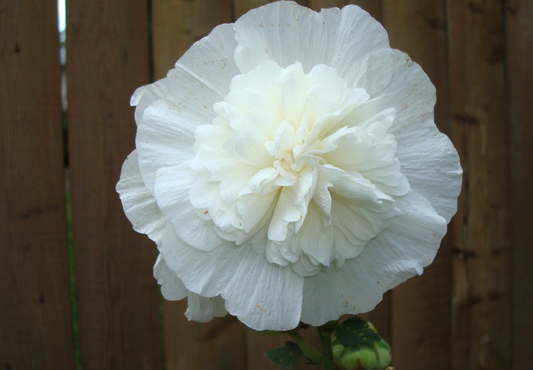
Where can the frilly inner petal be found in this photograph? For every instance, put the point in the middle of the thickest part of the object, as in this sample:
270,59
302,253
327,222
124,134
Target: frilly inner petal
301,159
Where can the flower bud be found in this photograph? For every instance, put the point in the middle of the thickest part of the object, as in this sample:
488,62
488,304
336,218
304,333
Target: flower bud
376,356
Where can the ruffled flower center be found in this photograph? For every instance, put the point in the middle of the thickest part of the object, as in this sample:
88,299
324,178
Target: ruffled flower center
300,160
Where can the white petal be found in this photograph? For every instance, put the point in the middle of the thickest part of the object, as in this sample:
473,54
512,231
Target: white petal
288,209
360,222
224,215
234,182
172,287
201,191
397,254
211,58
322,198
262,295
428,158
163,140
360,38
249,148
202,78
254,207
203,74
144,96
304,266
374,72
292,102
139,204
288,33
172,190
203,309
258,34
315,239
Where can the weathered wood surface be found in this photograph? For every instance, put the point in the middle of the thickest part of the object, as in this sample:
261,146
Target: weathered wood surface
35,321
519,86
108,58
481,321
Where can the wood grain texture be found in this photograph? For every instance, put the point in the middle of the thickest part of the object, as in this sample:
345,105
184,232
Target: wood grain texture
519,73
171,33
108,58
481,321
421,306
35,317
218,345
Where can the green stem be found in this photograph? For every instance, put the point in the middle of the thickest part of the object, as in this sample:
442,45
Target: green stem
308,351
327,352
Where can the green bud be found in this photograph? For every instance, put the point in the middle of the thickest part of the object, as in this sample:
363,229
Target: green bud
337,349
374,357
384,354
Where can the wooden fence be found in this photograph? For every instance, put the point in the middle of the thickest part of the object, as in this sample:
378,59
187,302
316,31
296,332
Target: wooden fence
472,309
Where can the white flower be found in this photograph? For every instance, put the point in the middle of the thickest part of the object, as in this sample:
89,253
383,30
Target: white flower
289,169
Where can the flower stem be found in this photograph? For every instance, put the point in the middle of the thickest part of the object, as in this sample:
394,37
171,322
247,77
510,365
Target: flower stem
308,351
327,352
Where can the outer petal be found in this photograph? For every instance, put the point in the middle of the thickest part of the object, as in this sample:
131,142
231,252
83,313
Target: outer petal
203,309
172,191
202,78
172,287
205,71
207,64
428,158
200,309
397,254
288,33
262,295
139,204
163,140
144,96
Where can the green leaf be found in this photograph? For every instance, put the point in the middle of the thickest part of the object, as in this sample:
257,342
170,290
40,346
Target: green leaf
355,332
286,356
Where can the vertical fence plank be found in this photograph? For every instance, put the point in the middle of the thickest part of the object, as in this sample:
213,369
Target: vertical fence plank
519,73
189,345
481,322
107,44
35,317
217,345
421,306
172,30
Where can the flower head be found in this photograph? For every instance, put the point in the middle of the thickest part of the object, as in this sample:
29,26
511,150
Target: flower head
289,169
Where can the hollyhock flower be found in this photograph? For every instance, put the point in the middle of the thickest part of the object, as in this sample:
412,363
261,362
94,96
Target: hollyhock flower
289,169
